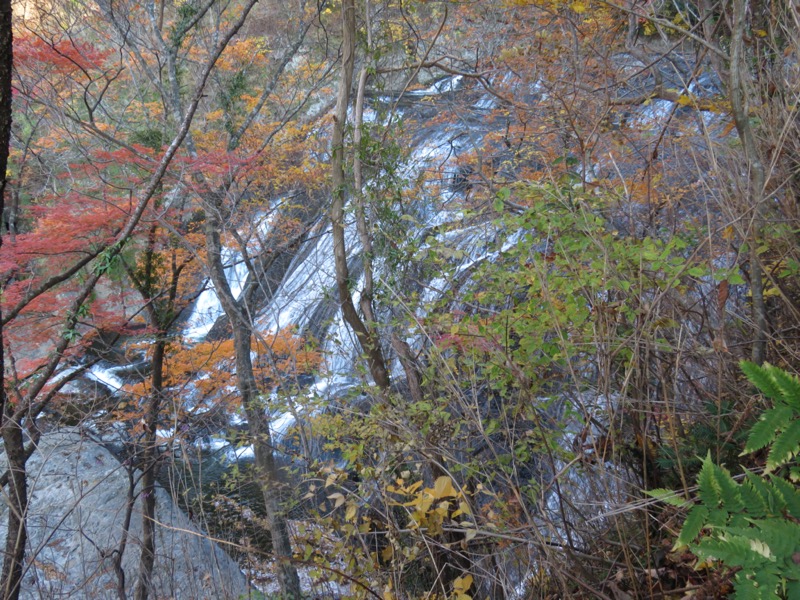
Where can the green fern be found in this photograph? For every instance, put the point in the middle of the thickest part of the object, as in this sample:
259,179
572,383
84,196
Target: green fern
753,525
779,426
763,432
785,446
761,378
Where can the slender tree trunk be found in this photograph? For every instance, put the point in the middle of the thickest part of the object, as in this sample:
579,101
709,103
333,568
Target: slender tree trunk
148,556
367,338
119,555
257,420
757,176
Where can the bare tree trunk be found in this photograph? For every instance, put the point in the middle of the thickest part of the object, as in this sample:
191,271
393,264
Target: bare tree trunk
6,52
162,312
367,337
257,420
11,429
149,456
757,177
16,537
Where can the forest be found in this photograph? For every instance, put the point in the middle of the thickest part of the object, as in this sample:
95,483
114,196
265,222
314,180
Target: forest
400,299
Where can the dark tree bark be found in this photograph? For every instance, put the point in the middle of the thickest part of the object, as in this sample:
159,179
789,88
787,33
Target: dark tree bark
13,440
6,65
11,429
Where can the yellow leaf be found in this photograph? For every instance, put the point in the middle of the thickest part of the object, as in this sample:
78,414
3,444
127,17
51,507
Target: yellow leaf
339,498
760,32
414,487
578,7
443,488
350,513
462,584
684,100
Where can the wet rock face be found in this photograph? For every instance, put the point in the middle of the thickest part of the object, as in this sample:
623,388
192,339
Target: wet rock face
78,497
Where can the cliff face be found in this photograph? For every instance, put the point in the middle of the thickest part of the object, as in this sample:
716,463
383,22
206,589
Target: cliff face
78,502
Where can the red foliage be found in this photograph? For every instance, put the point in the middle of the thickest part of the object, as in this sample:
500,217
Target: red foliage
65,55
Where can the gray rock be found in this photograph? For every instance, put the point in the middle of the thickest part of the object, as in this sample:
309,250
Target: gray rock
78,492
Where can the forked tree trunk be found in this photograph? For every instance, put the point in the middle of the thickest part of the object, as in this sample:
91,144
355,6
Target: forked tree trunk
257,420
365,332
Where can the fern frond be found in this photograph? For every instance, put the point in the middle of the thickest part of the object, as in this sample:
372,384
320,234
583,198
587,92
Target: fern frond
765,490
718,517
763,432
733,550
793,589
761,378
785,446
694,523
755,503
782,536
768,582
789,387
747,590
670,497
729,490
708,492
790,495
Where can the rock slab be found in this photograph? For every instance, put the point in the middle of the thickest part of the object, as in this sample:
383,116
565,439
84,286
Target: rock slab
78,496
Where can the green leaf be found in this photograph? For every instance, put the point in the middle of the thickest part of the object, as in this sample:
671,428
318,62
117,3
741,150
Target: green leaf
767,582
668,496
760,377
733,550
782,536
760,487
785,446
756,504
789,387
708,492
729,490
763,432
789,494
793,589
746,589
694,523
